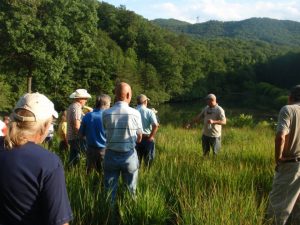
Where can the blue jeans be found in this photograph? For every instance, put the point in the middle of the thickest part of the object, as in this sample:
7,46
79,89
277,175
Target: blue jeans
124,163
146,151
76,147
211,142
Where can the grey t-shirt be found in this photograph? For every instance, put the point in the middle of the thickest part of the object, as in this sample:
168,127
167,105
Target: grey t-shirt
213,113
289,124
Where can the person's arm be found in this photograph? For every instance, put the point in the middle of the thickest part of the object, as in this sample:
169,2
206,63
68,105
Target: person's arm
153,132
221,119
139,137
77,125
64,132
279,146
220,122
196,119
54,197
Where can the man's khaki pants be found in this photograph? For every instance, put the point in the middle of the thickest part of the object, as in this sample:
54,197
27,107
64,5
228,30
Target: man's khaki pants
284,204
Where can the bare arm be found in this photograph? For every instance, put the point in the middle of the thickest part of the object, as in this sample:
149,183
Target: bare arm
77,125
196,119
139,137
279,146
220,122
66,224
153,132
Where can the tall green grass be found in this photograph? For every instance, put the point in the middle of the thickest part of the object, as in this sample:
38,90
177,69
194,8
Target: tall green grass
182,187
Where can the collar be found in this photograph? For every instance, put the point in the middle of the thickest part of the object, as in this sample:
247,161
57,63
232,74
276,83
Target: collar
122,103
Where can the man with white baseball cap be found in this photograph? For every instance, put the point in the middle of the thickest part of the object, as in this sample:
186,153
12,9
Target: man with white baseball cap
74,117
32,182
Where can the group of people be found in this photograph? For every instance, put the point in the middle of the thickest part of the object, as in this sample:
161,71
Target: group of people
32,181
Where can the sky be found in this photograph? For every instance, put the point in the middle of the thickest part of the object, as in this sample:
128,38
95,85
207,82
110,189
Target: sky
197,11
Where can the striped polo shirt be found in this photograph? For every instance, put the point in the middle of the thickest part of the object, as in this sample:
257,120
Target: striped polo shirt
122,124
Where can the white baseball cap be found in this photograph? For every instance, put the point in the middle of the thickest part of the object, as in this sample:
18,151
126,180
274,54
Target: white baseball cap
41,107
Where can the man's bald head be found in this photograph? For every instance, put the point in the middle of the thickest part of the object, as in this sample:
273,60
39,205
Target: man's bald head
123,92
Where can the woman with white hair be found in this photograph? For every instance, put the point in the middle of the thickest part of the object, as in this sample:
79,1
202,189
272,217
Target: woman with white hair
32,182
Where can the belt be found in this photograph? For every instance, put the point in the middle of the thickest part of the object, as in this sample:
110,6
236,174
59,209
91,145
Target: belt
120,152
291,160
146,135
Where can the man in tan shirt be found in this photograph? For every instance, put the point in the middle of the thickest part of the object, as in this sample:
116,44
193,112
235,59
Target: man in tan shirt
213,117
284,204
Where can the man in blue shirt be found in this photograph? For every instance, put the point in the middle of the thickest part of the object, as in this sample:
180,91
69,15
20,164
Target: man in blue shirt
146,149
92,129
123,127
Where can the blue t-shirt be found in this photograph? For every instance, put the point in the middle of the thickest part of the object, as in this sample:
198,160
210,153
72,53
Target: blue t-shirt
32,187
92,128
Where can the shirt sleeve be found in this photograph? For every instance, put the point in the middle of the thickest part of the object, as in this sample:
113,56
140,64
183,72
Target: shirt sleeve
55,198
139,124
283,121
222,114
76,114
153,118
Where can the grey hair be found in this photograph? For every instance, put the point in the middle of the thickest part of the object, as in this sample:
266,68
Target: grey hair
102,100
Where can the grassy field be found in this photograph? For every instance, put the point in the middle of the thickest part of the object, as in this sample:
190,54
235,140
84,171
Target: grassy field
182,187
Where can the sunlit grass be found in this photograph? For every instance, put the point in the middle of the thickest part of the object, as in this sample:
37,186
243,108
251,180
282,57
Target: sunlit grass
182,187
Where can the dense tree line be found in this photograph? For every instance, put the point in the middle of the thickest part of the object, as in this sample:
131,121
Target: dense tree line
281,32
60,45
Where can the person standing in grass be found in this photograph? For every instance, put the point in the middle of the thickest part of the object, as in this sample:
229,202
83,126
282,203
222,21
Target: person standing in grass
146,148
92,129
62,133
213,117
32,181
74,116
284,199
123,128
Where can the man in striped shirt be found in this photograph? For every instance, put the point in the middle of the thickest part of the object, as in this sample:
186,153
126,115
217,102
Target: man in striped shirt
123,127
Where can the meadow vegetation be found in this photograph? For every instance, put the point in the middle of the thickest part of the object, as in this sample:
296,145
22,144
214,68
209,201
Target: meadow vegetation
182,187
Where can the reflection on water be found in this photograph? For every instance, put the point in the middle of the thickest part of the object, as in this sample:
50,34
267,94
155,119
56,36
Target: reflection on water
179,114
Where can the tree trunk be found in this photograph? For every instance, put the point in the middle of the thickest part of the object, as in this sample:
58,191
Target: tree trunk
29,84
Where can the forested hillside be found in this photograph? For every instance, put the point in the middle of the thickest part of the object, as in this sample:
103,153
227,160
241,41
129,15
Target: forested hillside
61,45
281,32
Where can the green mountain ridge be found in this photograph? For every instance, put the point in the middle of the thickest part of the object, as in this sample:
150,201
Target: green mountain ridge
280,32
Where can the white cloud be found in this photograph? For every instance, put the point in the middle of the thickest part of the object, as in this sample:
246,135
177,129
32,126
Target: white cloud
224,10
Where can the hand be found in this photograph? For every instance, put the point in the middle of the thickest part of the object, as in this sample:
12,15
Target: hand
187,126
151,139
210,121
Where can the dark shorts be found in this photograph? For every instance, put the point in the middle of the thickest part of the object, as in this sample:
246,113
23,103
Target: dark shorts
211,142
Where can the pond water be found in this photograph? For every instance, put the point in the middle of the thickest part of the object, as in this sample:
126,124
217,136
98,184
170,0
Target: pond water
178,114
